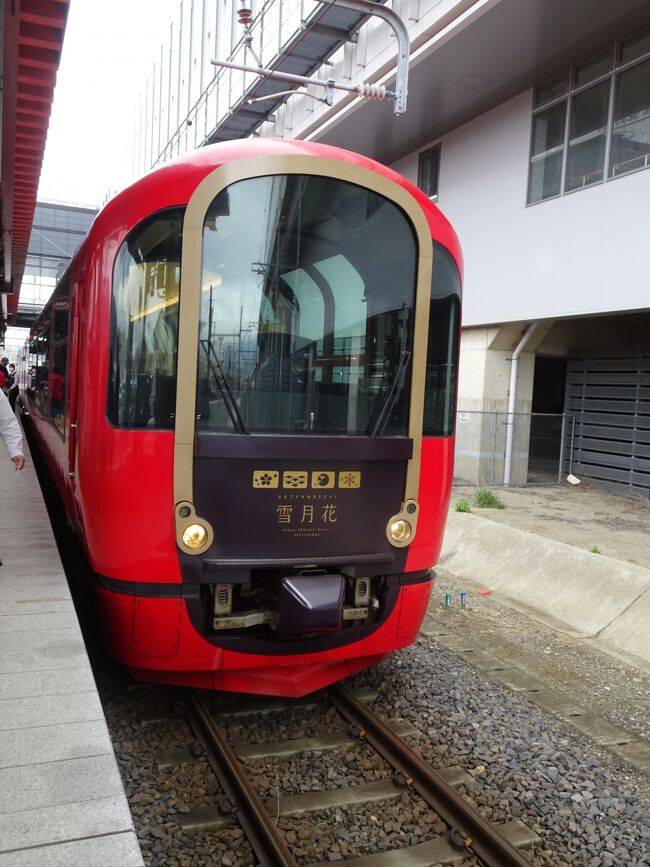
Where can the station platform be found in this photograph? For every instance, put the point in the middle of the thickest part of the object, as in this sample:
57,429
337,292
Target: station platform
61,796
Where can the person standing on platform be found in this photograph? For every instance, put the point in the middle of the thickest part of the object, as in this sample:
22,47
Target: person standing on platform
13,386
11,433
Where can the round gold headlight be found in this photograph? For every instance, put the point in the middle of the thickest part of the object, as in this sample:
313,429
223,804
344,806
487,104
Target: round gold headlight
401,531
195,536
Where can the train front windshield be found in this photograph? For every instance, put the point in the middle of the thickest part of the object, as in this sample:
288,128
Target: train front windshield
307,310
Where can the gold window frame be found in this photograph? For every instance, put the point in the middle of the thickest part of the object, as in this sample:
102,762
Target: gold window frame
189,309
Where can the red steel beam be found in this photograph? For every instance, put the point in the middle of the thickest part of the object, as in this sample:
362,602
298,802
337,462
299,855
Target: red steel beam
33,32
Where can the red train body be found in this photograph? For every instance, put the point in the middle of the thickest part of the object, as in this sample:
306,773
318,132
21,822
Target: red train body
258,344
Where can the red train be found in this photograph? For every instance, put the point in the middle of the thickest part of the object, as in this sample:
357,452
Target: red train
244,386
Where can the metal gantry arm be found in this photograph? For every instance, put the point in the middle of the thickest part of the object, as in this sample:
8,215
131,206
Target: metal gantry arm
365,90
370,7
327,99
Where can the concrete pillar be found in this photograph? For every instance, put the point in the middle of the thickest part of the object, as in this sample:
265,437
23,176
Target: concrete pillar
484,380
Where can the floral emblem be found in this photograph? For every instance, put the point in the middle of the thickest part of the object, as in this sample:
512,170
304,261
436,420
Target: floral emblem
266,479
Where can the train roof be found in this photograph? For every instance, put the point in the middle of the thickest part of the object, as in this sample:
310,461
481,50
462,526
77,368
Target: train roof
173,184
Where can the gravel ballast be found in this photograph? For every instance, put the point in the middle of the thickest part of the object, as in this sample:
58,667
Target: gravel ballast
616,689
522,761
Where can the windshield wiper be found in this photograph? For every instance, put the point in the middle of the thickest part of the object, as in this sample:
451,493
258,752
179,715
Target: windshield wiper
394,392
222,383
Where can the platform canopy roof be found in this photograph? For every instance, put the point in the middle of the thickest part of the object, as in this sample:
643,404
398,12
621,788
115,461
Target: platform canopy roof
32,39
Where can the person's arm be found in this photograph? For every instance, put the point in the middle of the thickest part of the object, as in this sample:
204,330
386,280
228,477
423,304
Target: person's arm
11,433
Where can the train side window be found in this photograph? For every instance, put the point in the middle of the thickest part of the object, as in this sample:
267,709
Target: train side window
58,369
144,324
442,352
42,352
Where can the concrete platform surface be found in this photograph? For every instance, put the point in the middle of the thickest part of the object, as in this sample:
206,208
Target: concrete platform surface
61,796
588,594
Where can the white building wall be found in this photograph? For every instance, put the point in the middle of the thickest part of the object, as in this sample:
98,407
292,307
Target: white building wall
586,252
204,29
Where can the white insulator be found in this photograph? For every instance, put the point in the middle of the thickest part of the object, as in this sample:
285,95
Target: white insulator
371,91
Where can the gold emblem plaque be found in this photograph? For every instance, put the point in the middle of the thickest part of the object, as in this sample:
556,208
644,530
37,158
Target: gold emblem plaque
323,479
295,479
349,479
266,479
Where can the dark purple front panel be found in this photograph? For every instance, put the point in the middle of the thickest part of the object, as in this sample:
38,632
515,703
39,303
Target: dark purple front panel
318,510
281,509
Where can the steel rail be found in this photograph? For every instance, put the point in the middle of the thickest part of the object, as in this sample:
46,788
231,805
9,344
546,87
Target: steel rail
479,836
267,843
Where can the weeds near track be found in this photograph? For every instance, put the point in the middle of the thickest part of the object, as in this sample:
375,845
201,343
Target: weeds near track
485,498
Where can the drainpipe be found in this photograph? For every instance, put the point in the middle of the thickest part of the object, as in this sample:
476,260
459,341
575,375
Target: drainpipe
511,400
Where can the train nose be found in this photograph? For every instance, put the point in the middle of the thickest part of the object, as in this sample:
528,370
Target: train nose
310,604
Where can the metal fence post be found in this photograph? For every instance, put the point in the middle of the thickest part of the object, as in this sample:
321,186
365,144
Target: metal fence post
494,448
573,436
559,467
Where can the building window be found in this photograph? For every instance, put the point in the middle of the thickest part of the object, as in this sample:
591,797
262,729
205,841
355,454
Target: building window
587,137
545,178
631,122
592,124
429,171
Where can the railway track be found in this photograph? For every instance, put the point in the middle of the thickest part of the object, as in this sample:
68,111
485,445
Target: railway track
468,835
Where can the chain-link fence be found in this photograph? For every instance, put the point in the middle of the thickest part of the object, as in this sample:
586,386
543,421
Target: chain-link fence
540,452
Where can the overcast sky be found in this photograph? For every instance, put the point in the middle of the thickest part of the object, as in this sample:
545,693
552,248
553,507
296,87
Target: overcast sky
108,51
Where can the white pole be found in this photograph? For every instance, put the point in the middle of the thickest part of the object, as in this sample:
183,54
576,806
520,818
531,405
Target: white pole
511,400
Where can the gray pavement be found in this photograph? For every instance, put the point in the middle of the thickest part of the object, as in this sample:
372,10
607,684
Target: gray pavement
582,516
61,796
